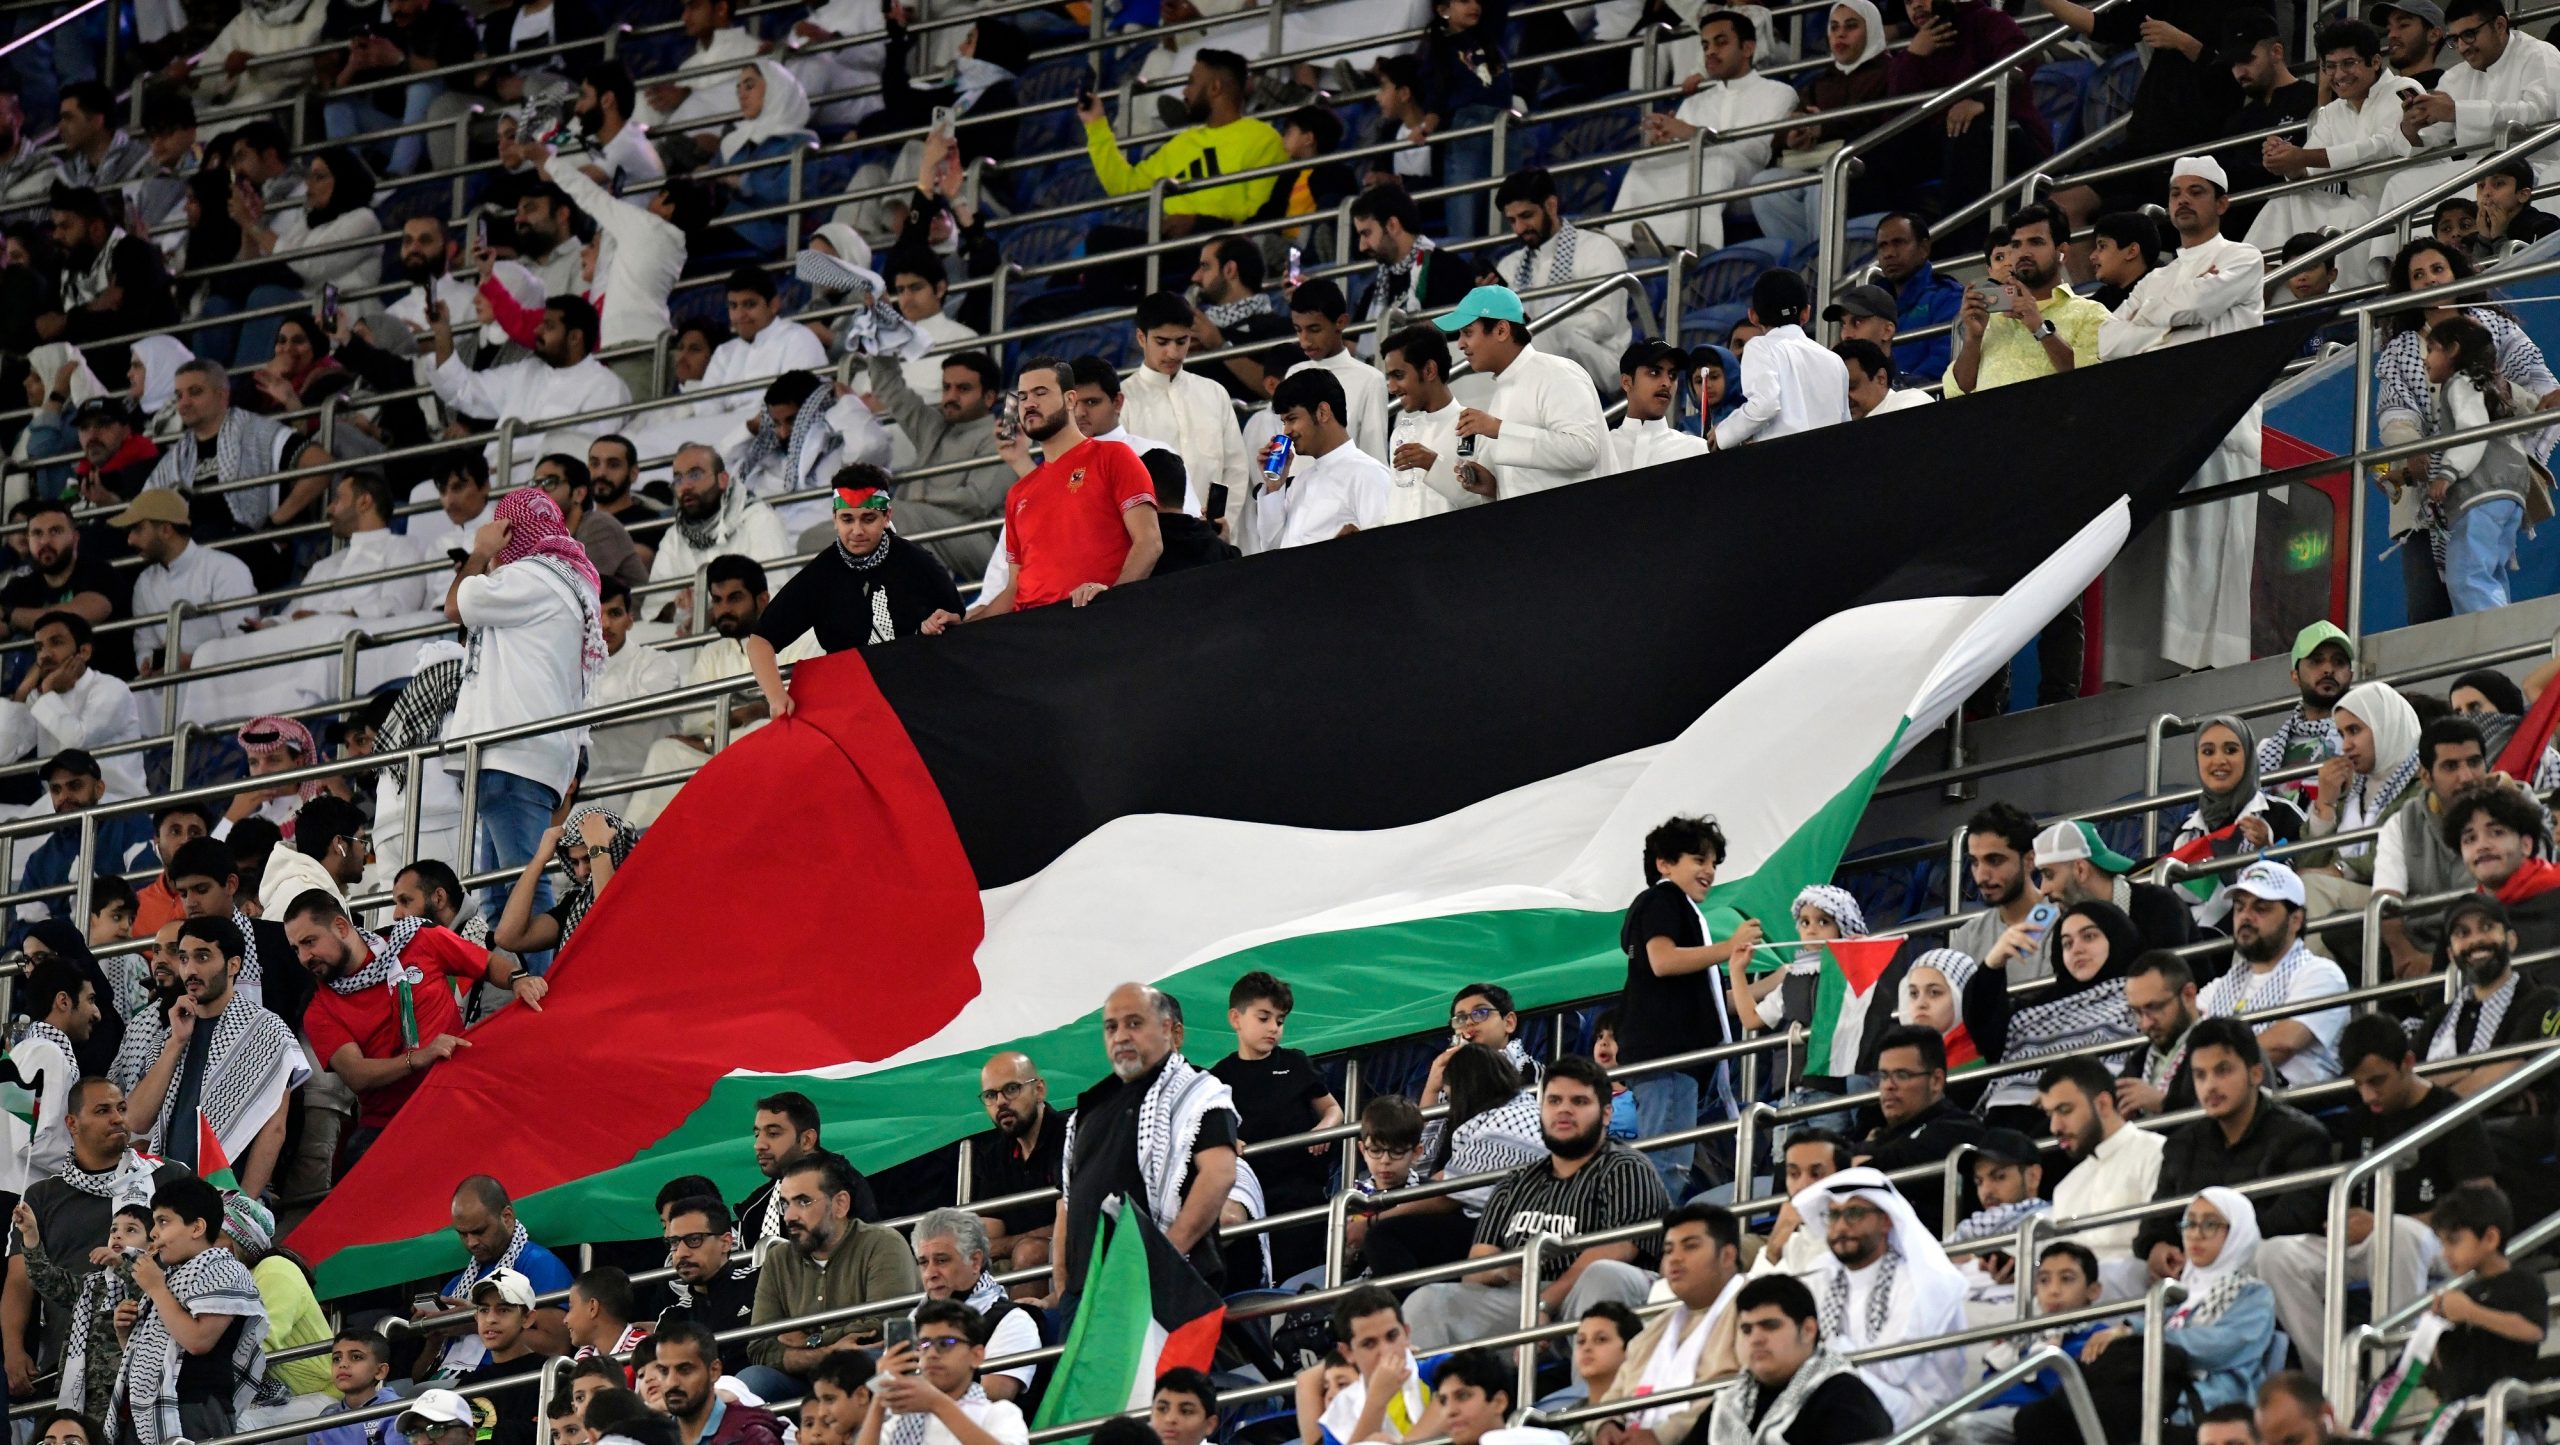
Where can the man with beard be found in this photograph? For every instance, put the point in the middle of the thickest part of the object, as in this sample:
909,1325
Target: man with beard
2187,601
2266,934
112,284
379,1028
2412,859
786,1135
2504,837
1887,1280
1106,1156
1222,141
1587,1183
1555,252
1649,372
73,1206
220,1059
60,579
614,152
1023,1152
426,263
2113,1164
2079,867
115,460
547,236
561,379
219,443
613,469
2041,327
1235,312
714,518
2495,1008
960,429
714,1282
2377,1054
207,884
2245,1136
688,1360
1076,525
566,481
1412,277
885,589
2161,991
25,168
2412,39
2324,666
834,1259
360,511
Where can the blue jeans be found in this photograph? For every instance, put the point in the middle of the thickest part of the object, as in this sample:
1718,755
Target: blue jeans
347,117
1466,160
771,1383
1665,1102
1792,216
514,812
2476,553
249,343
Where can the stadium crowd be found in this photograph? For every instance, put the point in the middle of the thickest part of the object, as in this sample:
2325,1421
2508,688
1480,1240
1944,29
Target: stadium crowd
277,395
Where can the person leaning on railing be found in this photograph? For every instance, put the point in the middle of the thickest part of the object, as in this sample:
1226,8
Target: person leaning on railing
1222,141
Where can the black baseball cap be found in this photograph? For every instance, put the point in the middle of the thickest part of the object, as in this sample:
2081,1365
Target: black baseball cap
2242,29
2006,1146
102,409
1653,353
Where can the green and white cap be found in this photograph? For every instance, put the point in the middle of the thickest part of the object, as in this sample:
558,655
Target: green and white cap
2309,640
2069,842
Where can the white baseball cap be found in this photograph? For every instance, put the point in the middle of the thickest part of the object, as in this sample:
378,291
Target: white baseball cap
2271,881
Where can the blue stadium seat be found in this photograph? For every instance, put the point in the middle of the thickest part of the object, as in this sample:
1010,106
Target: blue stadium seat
2110,92
1584,191
2058,88
1042,242
1726,275
1052,80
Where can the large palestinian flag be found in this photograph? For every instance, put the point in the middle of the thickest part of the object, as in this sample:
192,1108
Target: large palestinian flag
1379,767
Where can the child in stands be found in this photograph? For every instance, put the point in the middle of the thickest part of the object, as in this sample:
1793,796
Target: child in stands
1279,1092
2500,1318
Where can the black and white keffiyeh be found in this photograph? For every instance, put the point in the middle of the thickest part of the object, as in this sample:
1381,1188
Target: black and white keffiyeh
251,975
2452,1040
2322,732
706,533
2244,991
245,447
1560,249
79,288
1843,910
1169,1120
910,1429
583,897
1399,280
1835,1299
518,1242
40,1032
250,1064
986,1294
1223,314
1729,1419
419,713
386,948
101,1290
1997,1219
211,1283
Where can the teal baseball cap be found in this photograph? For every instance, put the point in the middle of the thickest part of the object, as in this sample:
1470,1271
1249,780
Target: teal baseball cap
1485,303
2309,640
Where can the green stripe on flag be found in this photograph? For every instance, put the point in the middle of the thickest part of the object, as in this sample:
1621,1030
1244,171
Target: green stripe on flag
1354,987
1108,1338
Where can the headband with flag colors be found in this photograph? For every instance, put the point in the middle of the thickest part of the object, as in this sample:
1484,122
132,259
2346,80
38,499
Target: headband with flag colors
852,499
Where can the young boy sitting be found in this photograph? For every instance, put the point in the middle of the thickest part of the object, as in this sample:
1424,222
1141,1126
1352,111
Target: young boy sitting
1185,1408
2066,1279
1390,1145
360,1371
2499,1319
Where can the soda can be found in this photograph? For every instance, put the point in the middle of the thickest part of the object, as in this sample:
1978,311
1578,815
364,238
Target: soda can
1466,446
1276,465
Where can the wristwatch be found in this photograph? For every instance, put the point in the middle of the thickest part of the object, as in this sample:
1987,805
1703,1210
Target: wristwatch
2045,331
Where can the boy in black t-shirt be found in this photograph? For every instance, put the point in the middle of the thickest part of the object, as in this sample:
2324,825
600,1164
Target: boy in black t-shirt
502,1305
1685,965
2499,1319
1279,1092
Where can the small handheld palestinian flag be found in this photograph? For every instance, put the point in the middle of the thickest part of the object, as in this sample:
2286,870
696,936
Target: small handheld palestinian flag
1849,987
212,1165
2223,842
1145,1311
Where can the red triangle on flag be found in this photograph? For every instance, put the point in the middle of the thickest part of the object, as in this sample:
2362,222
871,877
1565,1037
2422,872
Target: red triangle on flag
2523,752
1863,960
212,1165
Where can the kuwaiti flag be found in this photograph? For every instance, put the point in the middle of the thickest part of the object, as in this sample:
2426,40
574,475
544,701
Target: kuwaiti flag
1145,1311
1380,768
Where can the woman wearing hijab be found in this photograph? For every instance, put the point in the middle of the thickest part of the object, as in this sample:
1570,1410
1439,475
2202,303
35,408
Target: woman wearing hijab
1719,385
300,373
2231,804
1855,76
592,844
774,122
2082,1004
338,208
152,375
2358,789
2227,1322
1940,991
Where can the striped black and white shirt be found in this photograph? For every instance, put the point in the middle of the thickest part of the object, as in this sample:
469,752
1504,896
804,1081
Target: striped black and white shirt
1617,1188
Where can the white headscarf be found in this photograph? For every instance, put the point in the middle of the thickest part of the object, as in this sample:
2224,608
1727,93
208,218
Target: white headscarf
849,246
1956,968
1866,11
2211,1288
786,112
161,356
2394,725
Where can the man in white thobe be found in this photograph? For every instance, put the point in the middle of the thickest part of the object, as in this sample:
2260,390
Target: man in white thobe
1425,459
1542,427
175,569
1650,373
1555,252
1320,314
1331,487
1729,97
1190,412
2359,125
359,515
2506,78
1865,1305
2211,287
667,108
561,380
1790,382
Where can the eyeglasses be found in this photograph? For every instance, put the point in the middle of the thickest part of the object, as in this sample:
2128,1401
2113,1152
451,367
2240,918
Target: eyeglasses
1463,1017
2462,38
1857,1214
694,1240
695,474
1388,1151
1903,1076
940,1344
2341,65
2193,1225
1008,1093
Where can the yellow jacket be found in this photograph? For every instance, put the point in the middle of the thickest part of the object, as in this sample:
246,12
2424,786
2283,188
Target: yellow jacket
1202,151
